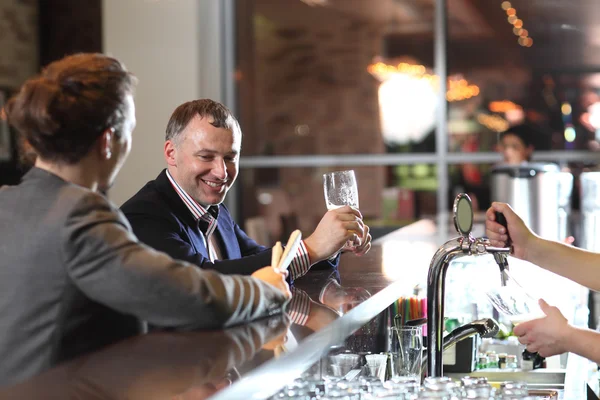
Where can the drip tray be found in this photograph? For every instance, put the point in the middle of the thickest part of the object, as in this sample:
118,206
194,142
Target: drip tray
544,394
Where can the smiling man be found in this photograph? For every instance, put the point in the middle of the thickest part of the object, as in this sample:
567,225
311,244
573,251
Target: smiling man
180,212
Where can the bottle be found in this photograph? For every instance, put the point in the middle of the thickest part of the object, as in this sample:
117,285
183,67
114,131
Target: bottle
502,360
482,361
527,361
511,361
537,361
493,360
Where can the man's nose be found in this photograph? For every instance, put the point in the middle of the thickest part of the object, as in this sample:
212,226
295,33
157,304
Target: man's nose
220,169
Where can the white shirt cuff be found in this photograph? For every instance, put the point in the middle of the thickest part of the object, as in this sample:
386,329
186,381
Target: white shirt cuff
299,307
300,263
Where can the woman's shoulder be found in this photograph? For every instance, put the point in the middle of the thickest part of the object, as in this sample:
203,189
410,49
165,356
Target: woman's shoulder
84,203
79,196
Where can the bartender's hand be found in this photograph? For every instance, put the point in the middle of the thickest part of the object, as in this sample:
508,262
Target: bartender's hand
521,236
334,230
275,277
548,335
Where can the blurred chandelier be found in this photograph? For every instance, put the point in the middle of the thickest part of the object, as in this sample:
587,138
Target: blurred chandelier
408,99
493,122
458,87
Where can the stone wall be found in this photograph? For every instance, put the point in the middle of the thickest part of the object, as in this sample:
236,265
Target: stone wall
18,41
313,95
313,92
69,26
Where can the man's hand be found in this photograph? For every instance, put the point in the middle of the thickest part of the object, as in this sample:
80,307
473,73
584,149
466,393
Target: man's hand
320,316
522,237
364,245
334,230
548,335
276,277
278,341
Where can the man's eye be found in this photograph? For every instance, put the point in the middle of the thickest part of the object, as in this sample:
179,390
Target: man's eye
230,159
206,158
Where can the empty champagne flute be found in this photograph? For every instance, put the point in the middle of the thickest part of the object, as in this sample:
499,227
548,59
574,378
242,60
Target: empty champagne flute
340,190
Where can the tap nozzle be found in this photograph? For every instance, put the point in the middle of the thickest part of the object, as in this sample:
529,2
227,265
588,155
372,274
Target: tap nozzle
501,257
502,260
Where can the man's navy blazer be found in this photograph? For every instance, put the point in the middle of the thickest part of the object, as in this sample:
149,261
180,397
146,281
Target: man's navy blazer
161,220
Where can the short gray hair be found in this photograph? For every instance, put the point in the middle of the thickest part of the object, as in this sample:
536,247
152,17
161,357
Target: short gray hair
181,117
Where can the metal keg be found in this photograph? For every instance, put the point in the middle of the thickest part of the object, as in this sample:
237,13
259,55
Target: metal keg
590,210
540,193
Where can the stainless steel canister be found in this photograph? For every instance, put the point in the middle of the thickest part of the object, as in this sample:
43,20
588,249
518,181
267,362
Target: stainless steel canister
540,193
590,210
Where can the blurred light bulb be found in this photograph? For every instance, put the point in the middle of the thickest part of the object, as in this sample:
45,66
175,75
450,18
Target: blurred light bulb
570,134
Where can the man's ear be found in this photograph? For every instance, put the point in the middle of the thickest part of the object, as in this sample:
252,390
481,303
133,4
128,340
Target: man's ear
106,143
170,152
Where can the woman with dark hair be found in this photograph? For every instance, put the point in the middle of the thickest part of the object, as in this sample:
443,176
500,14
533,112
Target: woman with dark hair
517,144
73,277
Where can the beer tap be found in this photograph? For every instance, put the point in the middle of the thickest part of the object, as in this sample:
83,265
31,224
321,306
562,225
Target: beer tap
462,246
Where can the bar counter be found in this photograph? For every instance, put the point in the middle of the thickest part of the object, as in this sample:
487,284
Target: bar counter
256,360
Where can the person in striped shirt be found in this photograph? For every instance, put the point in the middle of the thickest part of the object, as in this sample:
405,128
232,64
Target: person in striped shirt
181,211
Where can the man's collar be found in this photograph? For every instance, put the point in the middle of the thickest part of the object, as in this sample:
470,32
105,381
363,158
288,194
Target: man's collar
198,211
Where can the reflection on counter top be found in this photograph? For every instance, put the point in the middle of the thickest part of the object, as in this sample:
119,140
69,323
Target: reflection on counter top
192,365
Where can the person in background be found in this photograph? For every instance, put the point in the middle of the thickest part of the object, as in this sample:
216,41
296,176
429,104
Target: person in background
517,144
73,276
551,334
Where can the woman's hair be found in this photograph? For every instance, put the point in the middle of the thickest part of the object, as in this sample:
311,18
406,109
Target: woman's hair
64,110
525,132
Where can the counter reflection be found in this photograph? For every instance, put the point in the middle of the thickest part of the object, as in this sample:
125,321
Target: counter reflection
190,365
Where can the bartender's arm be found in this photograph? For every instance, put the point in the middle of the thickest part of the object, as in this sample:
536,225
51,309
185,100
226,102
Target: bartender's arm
107,263
552,335
576,264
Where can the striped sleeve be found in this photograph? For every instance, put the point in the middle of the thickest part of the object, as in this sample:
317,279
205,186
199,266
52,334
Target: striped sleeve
301,263
299,307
